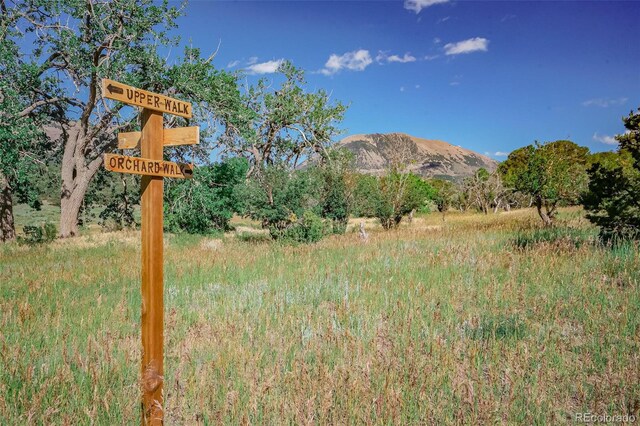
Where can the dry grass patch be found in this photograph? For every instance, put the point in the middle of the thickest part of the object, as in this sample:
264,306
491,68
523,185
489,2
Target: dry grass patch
420,325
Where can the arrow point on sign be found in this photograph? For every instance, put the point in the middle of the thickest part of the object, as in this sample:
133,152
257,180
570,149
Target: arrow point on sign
114,89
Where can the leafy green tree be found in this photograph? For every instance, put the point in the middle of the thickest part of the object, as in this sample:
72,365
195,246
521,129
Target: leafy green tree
283,126
552,173
208,201
613,198
444,194
22,139
81,42
366,195
397,195
420,194
338,181
18,168
278,198
120,204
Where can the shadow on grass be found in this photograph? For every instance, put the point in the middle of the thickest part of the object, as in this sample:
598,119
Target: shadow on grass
560,237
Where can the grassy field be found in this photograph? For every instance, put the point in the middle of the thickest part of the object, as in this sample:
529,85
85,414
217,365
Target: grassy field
480,319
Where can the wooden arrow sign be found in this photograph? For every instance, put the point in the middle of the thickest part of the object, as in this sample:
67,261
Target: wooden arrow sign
171,137
144,166
142,98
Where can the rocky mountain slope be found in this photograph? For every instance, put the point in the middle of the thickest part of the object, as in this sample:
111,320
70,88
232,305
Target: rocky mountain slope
428,158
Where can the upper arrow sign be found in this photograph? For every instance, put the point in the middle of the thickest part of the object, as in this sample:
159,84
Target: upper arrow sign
133,96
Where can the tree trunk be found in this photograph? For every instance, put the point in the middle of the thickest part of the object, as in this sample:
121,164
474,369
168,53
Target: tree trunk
70,210
543,215
76,175
7,224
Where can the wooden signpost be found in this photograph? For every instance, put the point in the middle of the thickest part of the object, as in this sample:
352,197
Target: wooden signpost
151,139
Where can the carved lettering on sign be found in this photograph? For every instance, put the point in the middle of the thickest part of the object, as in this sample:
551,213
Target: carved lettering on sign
143,166
142,98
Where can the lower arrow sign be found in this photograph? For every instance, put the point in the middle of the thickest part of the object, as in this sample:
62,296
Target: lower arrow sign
144,166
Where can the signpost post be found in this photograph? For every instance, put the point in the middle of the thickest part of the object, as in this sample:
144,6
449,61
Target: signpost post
152,139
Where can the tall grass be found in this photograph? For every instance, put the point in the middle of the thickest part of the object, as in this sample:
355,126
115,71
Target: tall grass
436,323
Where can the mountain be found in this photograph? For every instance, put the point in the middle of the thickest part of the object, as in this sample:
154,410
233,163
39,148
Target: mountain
428,158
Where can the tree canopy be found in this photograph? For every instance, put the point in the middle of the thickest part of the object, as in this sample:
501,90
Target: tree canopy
551,173
613,197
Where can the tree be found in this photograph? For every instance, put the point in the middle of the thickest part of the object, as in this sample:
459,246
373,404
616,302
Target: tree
280,198
366,195
613,198
285,126
444,193
337,177
551,173
277,131
397,195
19,137
79,43
485,190
120,206
419,195
22,139
206,202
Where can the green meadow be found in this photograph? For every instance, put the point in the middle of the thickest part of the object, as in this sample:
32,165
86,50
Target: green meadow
478,319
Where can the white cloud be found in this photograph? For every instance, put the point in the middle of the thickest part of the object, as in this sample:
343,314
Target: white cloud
609,140
402,88
402,59
431,57
252,60
604,103
233,64
417,86
497,154
268,67
384,57
476,44
357,60
418,5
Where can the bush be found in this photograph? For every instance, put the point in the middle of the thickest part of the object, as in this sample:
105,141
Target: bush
39,234
279,198
366,195
253,237
310,228
207,202
398,195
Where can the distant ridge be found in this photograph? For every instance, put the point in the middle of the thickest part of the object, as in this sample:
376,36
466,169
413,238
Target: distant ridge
426,157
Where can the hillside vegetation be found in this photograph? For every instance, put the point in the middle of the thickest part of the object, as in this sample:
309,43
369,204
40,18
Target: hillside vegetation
479,319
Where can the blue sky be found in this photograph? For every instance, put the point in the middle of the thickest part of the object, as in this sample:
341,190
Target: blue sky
489,76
